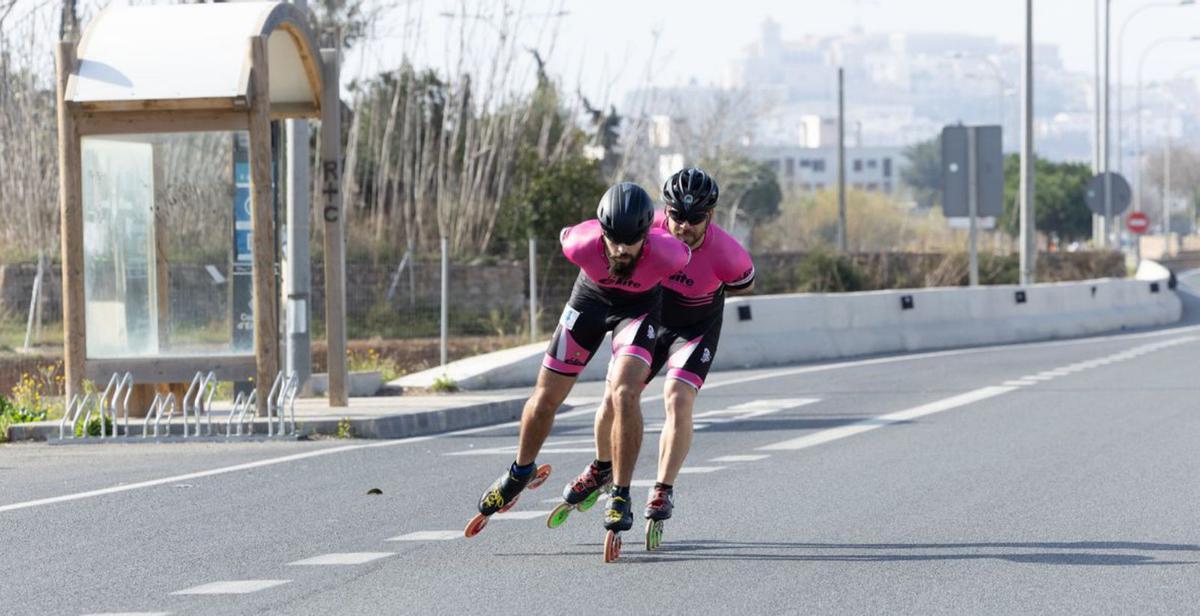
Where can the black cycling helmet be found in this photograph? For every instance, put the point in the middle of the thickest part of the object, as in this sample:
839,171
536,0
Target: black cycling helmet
625,213
691,191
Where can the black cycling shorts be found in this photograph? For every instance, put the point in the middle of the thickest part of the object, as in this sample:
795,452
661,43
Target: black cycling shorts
584,323
687,352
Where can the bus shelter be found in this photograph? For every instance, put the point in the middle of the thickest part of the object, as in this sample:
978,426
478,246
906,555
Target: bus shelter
165,150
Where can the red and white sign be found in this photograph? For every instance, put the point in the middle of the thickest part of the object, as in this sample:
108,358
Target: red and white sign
1137,222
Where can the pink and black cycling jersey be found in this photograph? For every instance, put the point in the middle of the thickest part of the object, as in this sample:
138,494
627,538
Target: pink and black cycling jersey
583,245
600,303
697,291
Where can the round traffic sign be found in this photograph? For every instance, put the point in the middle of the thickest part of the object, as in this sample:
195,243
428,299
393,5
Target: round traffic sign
1094,193
1138,222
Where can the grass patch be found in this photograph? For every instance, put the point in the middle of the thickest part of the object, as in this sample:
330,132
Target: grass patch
443,385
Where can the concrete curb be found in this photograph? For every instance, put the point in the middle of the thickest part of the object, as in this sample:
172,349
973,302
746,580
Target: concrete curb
393,426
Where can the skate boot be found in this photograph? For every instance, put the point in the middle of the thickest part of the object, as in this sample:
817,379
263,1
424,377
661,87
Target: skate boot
581,494
660,503
617,518
503,494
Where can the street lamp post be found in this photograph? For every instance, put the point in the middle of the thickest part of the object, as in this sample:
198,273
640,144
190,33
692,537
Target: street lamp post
1121,64
1137,193
1028,229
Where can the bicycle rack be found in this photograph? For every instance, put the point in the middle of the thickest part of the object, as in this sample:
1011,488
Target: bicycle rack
209,385
112,407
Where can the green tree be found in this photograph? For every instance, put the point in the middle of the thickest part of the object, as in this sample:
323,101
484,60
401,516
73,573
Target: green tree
750,184
923,174
1059,190
548,197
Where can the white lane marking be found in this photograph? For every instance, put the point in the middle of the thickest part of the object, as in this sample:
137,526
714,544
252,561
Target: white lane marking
740,458
550,446
737,412
698,470
342,558
768,374
129,614
833,434
1036,377
520,515
238,587
642,483
429,535
1019,383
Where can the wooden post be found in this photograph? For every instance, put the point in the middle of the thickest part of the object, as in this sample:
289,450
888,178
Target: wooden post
335,230
335,227
70,204
262,219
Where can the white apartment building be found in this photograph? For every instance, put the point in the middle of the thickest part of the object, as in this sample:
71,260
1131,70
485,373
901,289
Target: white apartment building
803,169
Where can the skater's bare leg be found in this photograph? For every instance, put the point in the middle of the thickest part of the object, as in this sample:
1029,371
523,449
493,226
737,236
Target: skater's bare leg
676,438
603,426
538,417
626,386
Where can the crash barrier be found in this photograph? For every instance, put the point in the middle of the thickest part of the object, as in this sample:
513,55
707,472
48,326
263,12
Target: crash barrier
94,416
769,330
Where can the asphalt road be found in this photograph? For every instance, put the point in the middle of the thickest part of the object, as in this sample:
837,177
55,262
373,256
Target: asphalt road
1043,478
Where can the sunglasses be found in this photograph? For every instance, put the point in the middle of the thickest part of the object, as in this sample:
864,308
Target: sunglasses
681,217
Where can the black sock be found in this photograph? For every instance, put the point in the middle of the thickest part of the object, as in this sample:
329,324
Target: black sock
621,491
601,465
658,485
521,471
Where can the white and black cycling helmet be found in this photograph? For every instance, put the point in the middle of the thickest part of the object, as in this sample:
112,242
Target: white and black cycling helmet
690,191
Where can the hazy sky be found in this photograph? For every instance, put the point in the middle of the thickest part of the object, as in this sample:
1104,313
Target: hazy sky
607,43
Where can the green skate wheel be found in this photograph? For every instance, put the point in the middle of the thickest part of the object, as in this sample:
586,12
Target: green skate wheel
558,516
654,531
589,501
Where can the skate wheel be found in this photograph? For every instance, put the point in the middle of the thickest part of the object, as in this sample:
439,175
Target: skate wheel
612,546
540,477
654,531
475,525
589,501
510,504
558,516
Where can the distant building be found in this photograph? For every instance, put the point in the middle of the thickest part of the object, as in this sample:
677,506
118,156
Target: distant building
802,169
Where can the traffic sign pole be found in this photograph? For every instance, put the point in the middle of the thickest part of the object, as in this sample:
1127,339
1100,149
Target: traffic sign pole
973,206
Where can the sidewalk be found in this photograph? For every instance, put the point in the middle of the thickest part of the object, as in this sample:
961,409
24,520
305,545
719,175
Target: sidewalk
383,417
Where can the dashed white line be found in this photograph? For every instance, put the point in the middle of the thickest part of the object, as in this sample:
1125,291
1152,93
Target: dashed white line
342,558
1019,383
233,587
698,470
833,434
740,458
429,535
520,515
129,614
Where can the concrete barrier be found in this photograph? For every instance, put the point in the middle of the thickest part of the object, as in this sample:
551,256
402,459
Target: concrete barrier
772,330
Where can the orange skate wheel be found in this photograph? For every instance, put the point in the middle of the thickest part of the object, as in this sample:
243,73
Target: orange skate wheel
475,525
540,477
612,546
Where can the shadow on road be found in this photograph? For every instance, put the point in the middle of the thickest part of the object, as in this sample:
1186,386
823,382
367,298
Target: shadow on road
1042,553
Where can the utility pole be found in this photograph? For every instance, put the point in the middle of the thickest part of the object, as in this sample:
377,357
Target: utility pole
1096,231
1028,230
841,163
1107,224
297,280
